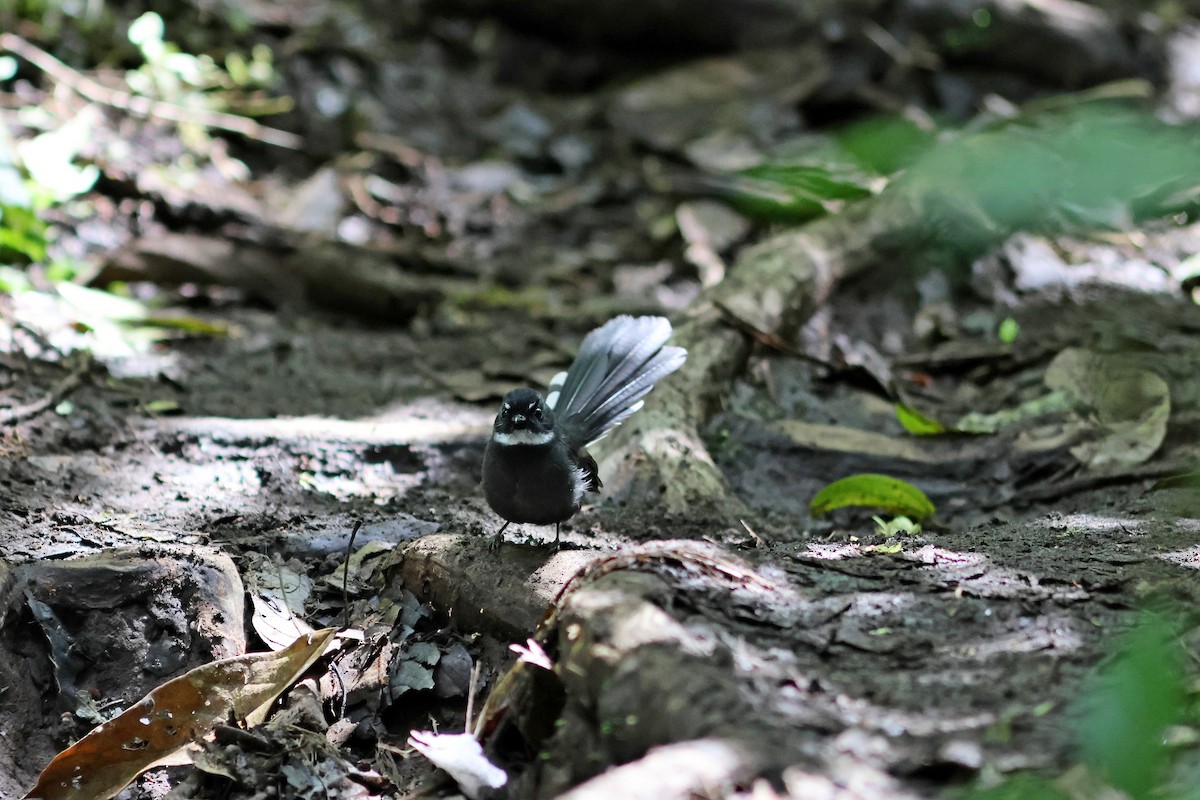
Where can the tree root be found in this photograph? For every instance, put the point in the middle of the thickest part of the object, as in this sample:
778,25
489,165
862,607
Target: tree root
659,456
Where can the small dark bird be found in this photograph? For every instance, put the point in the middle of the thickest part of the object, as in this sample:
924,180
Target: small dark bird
536,467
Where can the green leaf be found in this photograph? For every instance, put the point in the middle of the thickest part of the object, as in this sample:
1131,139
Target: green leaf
62,270
1131,704
13,280
917,423
1182,480
787,192
191,325
886,144
22,235
976,422
897,525
1020,787
1008,330
161,407
873,491
1038,172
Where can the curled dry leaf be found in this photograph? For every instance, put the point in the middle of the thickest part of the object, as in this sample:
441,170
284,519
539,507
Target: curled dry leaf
278,594
1124,408
173,715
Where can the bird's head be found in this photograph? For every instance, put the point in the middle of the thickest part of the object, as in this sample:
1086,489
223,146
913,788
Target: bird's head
524,419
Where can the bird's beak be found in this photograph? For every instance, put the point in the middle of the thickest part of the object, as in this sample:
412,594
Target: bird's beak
519,419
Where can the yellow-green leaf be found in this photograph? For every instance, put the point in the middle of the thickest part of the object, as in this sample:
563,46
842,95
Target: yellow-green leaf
193,325
1009,328
160,406
897,525
917,423
873,491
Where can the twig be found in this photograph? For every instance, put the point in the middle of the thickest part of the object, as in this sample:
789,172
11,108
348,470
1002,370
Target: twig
1064,488
469,725
140,105
776,342
346,575
277,562
10,416
393,146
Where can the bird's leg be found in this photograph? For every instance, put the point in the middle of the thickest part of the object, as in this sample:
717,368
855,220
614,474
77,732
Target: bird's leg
557,544
494,543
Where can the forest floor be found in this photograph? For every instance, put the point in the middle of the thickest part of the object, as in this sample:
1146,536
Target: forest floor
198,468
964,650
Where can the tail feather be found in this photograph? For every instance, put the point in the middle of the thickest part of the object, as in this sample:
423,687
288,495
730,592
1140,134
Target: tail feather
662,364
618,364
555,389
642,350
618,339
609,354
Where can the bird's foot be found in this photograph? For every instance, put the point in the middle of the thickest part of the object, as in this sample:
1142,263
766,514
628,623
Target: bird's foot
495,541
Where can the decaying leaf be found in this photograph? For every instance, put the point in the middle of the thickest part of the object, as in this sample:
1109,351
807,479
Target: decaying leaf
409,674
414,669
65,656
176,713
278,594
1125,408
874,491
977,422
363,563
685,102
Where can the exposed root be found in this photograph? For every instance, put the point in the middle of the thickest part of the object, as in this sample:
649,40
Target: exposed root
659,456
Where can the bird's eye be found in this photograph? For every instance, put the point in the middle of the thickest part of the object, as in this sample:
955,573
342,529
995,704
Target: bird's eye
537,413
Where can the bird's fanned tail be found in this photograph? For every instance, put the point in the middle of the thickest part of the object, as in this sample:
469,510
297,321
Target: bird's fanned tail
618,364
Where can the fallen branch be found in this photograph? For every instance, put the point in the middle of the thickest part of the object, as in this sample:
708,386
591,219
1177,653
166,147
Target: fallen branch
140,105
659,456
1065,488
10,416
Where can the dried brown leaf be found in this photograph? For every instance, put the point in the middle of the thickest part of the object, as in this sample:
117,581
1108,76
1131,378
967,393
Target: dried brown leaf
173,715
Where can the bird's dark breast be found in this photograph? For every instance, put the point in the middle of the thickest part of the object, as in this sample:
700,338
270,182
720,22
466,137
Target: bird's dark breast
526,484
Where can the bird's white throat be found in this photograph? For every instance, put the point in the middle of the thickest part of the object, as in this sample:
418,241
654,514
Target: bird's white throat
523,437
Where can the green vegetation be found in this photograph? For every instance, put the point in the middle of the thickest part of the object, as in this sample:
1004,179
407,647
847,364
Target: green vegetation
42,173
873,491
917,423
1123,723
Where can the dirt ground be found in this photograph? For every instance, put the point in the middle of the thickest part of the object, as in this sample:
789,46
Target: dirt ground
892,674
352,324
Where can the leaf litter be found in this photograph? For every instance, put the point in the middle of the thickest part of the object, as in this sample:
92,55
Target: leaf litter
990,584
